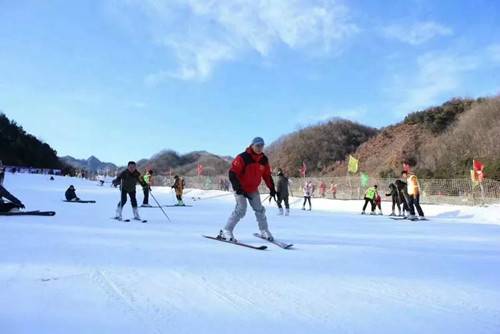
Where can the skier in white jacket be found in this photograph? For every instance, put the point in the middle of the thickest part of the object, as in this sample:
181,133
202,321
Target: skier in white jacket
308,192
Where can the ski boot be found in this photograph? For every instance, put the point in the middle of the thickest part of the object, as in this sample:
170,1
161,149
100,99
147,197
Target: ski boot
118,215
226,235
266,234
287,212
392,214
280,213
372,213
363,212
136,214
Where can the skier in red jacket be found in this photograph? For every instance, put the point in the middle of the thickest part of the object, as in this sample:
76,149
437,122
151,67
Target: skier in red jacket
246,174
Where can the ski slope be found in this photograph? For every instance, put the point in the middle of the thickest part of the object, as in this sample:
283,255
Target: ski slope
82,272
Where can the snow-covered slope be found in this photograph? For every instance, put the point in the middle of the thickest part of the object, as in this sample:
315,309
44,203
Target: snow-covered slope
81,272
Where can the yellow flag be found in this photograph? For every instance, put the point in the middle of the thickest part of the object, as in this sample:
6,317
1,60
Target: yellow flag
473,177
353,165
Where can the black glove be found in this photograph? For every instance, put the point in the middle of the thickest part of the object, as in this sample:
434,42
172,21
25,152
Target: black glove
272,193
22,206
241,192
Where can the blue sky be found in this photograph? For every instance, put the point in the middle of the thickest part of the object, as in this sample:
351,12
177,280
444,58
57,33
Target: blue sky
124,79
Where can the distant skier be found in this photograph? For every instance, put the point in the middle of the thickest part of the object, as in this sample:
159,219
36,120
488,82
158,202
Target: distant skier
308,192
394,193
128,180
14,204
333,190
322,189
370,195
403,193
414,196
71,194
148,181
378,203
246,173
282,192
2,172
179,185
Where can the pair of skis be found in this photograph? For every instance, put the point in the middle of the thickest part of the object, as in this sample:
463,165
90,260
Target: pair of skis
80,201
416,219
29,213
128,220
278,243
167,206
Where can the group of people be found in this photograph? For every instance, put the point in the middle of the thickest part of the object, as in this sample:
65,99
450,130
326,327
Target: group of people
247,171
128,180
224,184
404,193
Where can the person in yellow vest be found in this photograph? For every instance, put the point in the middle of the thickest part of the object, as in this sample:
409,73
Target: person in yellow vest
414,196
148,181
179,185
370,195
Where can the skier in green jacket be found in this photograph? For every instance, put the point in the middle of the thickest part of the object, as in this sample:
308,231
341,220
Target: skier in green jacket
370,195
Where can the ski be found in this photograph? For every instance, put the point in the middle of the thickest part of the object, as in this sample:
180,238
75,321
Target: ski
278,243
79,201
263,247
405,218
29,213
128,220
174,206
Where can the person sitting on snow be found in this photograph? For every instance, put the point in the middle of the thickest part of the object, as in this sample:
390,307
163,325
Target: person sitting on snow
71,194
14,204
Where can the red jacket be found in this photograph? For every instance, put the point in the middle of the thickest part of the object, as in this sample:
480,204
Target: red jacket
248,170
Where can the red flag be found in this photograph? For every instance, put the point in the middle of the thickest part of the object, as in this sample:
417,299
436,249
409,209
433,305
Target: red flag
199,169
478,166
478,169
406,167
303,169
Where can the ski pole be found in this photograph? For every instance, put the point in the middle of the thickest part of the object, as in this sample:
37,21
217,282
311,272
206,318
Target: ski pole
151,193
265,199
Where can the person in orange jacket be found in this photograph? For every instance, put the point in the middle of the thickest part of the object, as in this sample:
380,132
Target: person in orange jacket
414,195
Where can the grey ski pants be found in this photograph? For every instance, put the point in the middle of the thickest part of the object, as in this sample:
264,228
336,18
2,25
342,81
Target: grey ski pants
241,209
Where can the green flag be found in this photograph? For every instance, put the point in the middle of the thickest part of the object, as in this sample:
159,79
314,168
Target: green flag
364,179
353,165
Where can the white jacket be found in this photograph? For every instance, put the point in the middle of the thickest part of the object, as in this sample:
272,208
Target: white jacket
308,189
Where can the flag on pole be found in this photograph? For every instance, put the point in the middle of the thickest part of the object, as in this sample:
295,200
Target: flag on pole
303,169
199,169
352,165
364,178
478,168
473,178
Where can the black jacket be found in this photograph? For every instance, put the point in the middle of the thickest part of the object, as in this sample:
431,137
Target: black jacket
128,181
70,194
282,186
9,196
